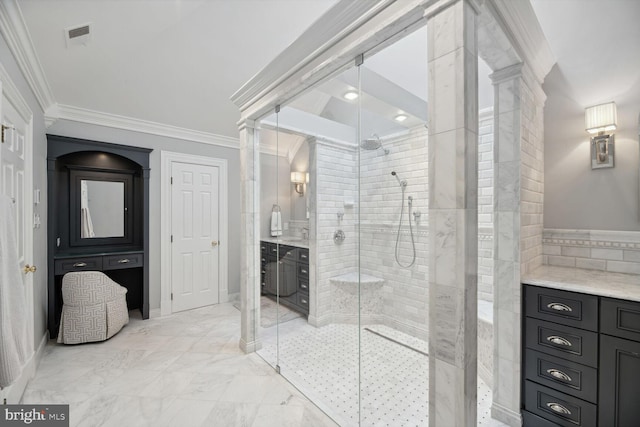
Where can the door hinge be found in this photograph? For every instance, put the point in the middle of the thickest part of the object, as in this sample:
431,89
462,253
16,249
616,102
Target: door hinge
171,296
172,238
3,127
171,180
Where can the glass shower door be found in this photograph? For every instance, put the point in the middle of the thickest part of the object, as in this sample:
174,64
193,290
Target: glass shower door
393,236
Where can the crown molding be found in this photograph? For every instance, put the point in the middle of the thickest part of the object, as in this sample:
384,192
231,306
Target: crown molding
82,115
14,29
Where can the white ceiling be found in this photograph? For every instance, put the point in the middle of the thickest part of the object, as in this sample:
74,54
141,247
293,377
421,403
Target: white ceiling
178,61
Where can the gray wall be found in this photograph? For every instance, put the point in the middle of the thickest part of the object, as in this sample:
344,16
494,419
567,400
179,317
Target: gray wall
300,163
275,188
39,181
158,144
577,197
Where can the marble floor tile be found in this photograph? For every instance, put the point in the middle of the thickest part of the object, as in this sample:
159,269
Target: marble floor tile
184,412
232,414
207,387
181,370
187,370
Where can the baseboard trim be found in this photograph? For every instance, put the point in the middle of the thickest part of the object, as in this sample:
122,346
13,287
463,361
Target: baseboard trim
506,415
155,312
15,392
250,347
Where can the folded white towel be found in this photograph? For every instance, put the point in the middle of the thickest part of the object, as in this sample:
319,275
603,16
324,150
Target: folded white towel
276,224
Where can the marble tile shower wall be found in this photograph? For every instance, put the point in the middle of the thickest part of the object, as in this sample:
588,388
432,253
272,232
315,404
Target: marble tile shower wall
485,205
406,298
615,251
336,183
531,181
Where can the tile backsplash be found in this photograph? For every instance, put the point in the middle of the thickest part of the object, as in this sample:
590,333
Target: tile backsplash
615,251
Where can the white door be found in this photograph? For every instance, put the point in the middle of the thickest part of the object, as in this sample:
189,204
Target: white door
195,254
16,181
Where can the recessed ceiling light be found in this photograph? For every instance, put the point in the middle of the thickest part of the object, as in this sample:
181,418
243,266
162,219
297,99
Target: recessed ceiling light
350,95
401,117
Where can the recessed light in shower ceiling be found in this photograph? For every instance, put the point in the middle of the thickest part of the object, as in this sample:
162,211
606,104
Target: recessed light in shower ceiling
350,95
400,117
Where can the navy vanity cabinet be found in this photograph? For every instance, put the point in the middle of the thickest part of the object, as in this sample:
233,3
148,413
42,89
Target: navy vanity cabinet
560,368
619,363
285,272
581,360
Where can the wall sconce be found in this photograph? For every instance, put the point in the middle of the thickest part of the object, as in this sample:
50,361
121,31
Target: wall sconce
601,120
299,179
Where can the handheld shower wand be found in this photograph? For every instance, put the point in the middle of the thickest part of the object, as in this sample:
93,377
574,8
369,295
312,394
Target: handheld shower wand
403,187
403,183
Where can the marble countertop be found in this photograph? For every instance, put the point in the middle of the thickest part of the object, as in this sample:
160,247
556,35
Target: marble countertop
288,240
596,282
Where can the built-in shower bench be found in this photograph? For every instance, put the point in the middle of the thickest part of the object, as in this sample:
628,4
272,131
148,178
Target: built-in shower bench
344,298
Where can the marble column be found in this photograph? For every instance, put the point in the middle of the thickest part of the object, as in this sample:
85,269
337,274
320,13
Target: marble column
453,212
249,237
518,194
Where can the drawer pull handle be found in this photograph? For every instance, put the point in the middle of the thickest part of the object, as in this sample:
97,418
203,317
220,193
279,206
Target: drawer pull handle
80,264
554,339
556,407
274,250
559,375
123,261
558,306
304,286
303,271
303,256
304,301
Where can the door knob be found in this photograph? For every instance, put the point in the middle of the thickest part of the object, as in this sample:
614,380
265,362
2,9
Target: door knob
29,269
215,243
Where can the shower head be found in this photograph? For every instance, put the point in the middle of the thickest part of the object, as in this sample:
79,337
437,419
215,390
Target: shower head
403,183
372,143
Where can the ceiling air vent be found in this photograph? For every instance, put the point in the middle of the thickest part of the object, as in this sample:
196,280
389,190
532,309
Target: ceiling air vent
79,35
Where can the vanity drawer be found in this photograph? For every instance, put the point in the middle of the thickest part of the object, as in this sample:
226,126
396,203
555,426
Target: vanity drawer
116,262
569,377
562,409
568,308
532,420
562,341
303,255
303,286
303,301
90,263
303,272
620,318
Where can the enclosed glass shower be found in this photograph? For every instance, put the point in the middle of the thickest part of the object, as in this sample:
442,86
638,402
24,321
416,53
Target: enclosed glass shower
343,240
